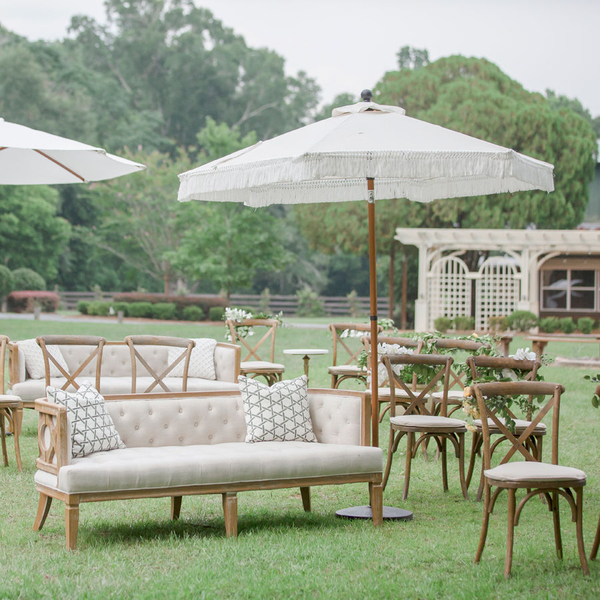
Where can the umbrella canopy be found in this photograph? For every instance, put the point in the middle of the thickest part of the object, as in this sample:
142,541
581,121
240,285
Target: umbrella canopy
29,156
340,159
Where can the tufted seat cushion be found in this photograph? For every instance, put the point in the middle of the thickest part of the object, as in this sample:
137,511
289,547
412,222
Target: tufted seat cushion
428,422
534,471
142,468
520,426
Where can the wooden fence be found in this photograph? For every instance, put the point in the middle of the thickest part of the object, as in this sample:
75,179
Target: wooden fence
332,305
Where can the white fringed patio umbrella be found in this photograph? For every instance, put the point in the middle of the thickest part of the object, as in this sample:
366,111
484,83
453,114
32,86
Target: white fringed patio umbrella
366,152
29,157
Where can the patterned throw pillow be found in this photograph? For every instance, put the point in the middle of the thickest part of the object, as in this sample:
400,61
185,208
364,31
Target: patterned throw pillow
34,359
279,413
202,360
92,427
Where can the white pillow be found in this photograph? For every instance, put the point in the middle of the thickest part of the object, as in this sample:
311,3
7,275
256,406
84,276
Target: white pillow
279,413
92,427
202,360
34,359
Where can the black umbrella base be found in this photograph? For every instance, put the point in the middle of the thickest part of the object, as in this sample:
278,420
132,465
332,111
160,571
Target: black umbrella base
390,513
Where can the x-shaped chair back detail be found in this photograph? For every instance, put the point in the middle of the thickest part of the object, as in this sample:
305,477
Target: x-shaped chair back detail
351,355
96,347
469,346
155,340
518,388
439,364
271,325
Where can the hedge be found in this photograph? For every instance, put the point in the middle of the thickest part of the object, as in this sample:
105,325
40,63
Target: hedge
164,311
193,313
26,301
181,302
140,309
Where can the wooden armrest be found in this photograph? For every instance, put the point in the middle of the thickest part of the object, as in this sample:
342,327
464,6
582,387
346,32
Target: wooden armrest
13,364
53,432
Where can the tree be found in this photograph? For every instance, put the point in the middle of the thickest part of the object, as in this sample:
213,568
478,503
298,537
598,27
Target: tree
412,58
563,103
31,233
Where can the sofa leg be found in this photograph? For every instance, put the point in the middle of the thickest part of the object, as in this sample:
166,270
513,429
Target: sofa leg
175,507
72,522
376,497
43,509
305,492
230,512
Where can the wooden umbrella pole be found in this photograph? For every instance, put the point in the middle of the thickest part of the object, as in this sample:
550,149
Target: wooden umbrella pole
373,294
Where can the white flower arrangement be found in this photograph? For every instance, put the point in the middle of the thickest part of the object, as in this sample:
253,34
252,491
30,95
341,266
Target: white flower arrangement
384,349
351,333
238,315
523,354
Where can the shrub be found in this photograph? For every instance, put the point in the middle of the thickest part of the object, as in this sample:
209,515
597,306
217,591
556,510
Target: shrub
181,302
567,325
464,323
498,323
82,306
164,311
140,310
216,313
193,313
124,306
27,300
7,281
309,304
28,279
585,324
522,320
98,308
549,324
442,324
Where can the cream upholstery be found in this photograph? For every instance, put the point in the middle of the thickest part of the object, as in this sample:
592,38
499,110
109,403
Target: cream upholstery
533,471
343,369
428,422
251,365
454,396
116,371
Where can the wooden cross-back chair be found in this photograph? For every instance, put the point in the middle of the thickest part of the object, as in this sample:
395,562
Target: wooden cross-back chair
417,418
530,367
383,391
457,378
549,479
96,345
134,341
252,364
344,355
11,410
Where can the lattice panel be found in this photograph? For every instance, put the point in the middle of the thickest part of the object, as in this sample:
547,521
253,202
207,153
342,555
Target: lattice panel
497,291
449,290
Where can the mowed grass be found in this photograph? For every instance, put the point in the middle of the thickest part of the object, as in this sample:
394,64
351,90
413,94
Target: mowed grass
130,549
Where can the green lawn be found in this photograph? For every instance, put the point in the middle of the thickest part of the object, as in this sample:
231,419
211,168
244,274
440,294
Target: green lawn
131,549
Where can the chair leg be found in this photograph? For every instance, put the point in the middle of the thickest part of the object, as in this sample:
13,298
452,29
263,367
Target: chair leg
390,456
43,509
376,501
17,417
3,435
481,484
474,442
410,442
484,525
444,455
305,493
596,543
71,522
230,513
556,520
579,530
461,466
510,534
175,507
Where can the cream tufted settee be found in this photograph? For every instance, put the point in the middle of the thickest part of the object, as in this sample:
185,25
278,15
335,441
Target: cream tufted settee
194,443
116,370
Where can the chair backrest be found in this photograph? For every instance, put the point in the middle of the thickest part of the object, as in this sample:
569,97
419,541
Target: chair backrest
340,340
157,340
457,377
484,392
96,345
270,324
438,367
4,341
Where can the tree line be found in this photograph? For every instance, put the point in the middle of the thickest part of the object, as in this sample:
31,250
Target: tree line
166,84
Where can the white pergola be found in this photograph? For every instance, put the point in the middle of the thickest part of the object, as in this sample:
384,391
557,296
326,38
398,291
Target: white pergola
503,283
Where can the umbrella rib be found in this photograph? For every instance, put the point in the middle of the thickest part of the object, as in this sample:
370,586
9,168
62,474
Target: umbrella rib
59,164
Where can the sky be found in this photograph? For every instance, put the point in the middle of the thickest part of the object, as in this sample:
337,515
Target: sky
349,45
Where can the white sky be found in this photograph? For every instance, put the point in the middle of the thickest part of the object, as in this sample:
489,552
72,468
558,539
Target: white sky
348,45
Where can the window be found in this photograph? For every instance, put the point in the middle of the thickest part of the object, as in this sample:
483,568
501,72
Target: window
569,289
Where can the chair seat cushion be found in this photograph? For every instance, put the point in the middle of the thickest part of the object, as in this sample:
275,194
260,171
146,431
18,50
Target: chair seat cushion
520,426
252,366
384,394
347,370
428,422
454,396
7,401
534,471
168,466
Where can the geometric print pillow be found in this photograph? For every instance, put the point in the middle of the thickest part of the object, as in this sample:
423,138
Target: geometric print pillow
92,427
34,359
202,360
279,413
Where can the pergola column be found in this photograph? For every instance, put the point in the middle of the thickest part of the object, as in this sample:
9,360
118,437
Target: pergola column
421,304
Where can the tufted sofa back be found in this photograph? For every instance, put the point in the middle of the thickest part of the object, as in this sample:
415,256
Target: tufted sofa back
211,418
